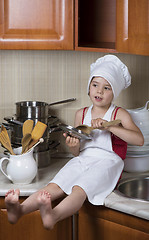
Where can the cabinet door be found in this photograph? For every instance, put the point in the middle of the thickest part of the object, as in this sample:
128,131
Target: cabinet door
99,222
36,24
92,228
30,227
132,26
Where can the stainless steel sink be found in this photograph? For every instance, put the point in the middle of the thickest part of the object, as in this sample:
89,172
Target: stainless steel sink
136,188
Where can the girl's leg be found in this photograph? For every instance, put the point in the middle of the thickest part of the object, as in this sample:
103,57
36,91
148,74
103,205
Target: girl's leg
16,210
67,207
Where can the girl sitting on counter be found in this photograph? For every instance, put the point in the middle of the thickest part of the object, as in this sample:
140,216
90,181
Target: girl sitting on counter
98,163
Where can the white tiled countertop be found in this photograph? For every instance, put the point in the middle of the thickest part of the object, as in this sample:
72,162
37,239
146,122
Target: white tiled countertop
114,201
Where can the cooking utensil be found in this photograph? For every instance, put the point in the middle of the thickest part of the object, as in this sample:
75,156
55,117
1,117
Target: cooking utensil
37,133
35,109
3,129
86,129
25,142
27,126
111,123
74,132
5,141
41,140
38,130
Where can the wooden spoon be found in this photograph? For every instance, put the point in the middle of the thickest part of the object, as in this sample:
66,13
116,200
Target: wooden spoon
27,126
41,140
86,129
25,142
5,140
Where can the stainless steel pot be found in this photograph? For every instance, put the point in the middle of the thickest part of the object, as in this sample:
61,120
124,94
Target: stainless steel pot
43,159
35,109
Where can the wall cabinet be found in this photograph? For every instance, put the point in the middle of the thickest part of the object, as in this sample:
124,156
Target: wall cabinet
30,227
132,26
103,223
36,24
112,26
100,25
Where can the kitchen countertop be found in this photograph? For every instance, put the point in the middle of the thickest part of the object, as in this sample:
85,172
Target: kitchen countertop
42,178
114,201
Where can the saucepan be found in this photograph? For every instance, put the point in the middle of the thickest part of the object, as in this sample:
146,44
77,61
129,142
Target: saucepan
35,109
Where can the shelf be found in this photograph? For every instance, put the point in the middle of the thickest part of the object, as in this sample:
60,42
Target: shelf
95,24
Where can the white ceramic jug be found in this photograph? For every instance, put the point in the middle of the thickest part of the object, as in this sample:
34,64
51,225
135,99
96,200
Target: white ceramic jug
21,168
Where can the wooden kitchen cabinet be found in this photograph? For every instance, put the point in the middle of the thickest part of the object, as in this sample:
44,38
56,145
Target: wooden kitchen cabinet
106,224
112,26
30,227
36,24
132,26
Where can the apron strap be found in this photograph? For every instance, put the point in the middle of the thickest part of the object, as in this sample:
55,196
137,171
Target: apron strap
115,112
83,114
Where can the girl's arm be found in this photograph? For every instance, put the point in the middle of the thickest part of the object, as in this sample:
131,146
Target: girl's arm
72,142
127,130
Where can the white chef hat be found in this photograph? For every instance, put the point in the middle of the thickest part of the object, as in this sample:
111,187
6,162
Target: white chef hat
113,70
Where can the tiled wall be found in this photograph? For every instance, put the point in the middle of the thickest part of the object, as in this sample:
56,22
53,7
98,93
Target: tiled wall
51,76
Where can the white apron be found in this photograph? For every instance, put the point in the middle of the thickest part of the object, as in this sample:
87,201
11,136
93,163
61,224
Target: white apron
97,169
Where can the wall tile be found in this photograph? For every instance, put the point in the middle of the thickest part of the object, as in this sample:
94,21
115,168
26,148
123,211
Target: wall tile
51,76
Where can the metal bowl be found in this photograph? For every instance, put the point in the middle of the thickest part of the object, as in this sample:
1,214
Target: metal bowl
135,188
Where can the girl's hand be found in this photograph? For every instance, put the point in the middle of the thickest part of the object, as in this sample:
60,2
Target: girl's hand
73,144
71,141
97,123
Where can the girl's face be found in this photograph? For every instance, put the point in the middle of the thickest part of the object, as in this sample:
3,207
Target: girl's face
101,93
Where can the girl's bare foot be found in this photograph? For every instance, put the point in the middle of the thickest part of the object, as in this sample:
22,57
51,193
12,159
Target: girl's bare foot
44,200
13,205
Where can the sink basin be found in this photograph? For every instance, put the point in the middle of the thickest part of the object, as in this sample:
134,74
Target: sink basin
136,188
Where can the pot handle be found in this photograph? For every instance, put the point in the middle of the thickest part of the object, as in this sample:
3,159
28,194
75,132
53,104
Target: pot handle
55,119
146,105
63,101
1,167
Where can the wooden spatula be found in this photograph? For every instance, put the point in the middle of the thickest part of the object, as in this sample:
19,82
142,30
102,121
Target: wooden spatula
38,130
111,123
5,140
27,126
37,133
86,129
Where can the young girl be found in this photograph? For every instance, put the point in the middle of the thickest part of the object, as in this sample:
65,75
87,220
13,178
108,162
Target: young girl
98,163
